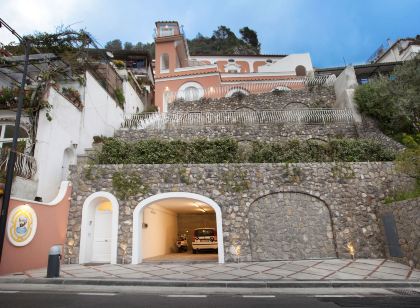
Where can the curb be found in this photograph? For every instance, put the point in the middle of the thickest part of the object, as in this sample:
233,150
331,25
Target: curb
219,284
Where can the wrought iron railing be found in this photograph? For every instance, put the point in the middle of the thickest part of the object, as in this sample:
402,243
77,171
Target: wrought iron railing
162,121
287,84
25,165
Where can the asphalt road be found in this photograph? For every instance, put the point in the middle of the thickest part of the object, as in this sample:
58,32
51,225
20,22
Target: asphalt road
17,299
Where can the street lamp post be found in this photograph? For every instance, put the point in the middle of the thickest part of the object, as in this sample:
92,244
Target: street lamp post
12,152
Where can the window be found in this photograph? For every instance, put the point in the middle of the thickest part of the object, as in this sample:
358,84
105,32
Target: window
164,62
191,94
231,60
232,68
6,135
167,31
269,61
300,70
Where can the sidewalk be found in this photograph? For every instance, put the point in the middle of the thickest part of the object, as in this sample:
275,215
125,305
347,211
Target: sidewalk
337,270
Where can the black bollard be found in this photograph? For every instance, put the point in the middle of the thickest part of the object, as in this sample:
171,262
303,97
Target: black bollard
54,257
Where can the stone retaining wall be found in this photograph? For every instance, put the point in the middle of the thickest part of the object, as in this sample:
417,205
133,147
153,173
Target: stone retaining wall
274,132
318,98
349,192
407,219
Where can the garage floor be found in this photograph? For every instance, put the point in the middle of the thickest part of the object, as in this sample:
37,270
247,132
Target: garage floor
184,257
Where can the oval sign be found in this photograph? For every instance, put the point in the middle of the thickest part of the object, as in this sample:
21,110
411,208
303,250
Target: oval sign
21,225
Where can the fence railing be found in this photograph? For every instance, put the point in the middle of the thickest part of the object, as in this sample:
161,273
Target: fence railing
294,83
162,121
25,165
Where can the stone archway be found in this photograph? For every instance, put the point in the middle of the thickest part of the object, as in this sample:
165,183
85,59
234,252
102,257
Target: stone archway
137,256
290,226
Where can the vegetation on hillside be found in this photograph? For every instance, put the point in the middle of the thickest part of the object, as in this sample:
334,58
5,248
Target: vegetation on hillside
394,101
201,151
222,42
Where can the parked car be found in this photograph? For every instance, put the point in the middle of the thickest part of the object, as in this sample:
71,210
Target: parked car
204,238
181,243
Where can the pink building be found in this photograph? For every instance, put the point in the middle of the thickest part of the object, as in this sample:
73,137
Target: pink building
181,76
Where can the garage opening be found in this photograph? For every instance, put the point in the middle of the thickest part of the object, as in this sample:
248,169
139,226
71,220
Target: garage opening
177,227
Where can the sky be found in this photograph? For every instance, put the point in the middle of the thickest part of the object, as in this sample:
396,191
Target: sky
334,32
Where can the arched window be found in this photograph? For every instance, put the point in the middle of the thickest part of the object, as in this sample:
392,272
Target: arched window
164,62
190,91
237,92
191,94
6,135
300,70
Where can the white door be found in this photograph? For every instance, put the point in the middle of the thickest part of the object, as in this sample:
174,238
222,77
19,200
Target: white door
102,236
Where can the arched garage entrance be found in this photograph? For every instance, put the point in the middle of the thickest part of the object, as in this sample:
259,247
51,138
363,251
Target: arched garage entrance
99,229
146,241
290,226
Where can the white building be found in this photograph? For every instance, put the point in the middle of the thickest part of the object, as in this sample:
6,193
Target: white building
402,50
65,130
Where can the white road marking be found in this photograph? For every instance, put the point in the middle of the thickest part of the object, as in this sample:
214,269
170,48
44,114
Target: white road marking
97,294
258,296
186,295
338,295
9,292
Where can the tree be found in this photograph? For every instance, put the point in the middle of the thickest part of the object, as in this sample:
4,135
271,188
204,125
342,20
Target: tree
223,33
128,46
250,37
395,100
114,45
224,42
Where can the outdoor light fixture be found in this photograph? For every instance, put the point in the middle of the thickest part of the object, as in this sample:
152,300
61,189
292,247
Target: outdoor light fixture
351,249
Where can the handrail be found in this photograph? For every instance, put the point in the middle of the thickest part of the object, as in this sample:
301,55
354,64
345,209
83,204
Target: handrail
25,165
162,121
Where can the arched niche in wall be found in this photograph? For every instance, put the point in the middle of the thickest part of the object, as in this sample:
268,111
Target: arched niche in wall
291,226
69,158
300,70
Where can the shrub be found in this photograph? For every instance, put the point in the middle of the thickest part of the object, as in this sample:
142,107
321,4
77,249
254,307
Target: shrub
119,95
394,103
119,64
202,151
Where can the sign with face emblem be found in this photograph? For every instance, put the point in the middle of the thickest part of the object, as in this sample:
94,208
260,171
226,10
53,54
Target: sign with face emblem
21,225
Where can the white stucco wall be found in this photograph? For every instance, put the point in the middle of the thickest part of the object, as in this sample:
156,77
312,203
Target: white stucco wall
159,238
53,137
132,100
288,64
101,115
344,88
74,129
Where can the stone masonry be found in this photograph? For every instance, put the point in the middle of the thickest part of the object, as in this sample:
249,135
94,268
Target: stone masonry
290,226
349,192
273,132
407,218
317,98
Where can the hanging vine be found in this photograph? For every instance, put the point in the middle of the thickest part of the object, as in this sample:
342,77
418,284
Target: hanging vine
71,47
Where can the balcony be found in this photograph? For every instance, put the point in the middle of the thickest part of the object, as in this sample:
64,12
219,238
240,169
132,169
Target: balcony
25,165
